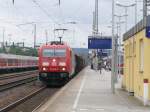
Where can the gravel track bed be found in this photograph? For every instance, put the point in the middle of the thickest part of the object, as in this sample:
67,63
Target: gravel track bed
19,74
32,103
17,78
16,93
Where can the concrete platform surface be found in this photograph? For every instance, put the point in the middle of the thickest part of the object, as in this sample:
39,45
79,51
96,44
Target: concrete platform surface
90,92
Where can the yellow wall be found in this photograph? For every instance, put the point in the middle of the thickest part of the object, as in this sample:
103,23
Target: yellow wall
133,77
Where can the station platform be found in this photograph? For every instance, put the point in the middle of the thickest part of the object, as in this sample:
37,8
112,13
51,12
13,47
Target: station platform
90,91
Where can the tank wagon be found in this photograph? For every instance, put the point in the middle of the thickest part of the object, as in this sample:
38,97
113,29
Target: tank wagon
58,63
11,62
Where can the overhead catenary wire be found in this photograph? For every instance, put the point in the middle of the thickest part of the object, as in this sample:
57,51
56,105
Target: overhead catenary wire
44,11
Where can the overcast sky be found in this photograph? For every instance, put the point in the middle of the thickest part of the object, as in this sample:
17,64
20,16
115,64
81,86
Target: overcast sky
47,15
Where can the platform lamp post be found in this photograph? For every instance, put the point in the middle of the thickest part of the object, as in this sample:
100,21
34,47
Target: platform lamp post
114,55
116,58
126,12
146,4
144,11
113,50
119,23
119,41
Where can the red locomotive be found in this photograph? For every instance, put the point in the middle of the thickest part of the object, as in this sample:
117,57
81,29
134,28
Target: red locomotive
57,63
11,62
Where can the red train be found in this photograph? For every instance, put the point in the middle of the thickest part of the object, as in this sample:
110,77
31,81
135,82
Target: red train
57,63
10,62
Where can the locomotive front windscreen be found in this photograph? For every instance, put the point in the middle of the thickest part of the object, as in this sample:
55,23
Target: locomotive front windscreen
48,53
54,52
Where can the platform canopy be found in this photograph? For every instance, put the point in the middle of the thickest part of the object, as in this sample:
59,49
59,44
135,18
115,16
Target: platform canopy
99,43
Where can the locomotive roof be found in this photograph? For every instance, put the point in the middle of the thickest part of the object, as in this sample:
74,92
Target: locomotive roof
12,56
55,45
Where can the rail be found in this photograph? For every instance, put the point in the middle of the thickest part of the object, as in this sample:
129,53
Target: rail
14,104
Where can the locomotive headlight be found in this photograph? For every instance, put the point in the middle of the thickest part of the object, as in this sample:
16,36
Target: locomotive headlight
62,64
44,69
54,60
63,69
45,64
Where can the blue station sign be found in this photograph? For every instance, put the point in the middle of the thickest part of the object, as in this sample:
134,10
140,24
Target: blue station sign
148,31
99,43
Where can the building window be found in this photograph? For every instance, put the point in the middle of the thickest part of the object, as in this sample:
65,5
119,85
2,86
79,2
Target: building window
141,55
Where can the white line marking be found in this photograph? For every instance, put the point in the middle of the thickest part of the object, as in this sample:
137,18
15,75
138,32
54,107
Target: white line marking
84,109
73,111
79,93
100,109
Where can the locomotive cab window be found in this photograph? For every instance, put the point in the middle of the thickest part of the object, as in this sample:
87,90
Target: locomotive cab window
54,53
60,52
48,53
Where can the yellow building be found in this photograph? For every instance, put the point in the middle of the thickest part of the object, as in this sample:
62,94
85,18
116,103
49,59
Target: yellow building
136,78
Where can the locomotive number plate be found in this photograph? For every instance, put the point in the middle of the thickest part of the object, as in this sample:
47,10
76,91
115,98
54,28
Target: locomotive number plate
54,64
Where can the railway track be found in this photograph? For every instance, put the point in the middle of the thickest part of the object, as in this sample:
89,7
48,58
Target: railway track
10,81
12,75
18,102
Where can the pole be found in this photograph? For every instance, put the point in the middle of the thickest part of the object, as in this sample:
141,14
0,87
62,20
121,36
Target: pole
74,33
119,44
126,19
59,2
46,35
116,53
34,36
117,56
13,1
113,49
93,32
144,12
3,38
96,26
136,3
96,16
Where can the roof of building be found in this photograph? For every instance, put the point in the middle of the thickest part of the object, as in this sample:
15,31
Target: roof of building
135,29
